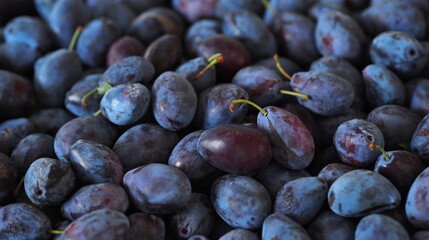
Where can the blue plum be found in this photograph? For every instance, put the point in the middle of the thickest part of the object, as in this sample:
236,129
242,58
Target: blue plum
362,192
301,199
157,188
95,163
146,226
420,140
95,40
91,128
213,106
279,226
104,224
382,86
351,139
93,197
329,93
328,225
23,221
174,101
125,104
132,69
377,226
241,201
48,181
398,51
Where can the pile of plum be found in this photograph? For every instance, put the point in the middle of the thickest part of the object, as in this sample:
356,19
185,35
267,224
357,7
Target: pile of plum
214,119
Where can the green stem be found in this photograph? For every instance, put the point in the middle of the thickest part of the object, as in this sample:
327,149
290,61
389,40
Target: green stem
74,38
268,6
101,90
216,58
297,94
57,232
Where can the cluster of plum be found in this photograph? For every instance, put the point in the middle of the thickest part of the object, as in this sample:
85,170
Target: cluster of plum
214,119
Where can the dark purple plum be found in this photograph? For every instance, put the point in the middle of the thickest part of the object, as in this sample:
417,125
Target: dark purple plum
398,51
91,128
362,192
8,179
123,47
233,51
249,28
194,10
13,131
329,94
401,168
241,201
132,69
295,34
146,227
377,226
262,84
338,34
397,124
154,23
174,101
291,142
185,157
420,140
95,163
16,95
275,176
125,104
23,221
49,120
103,224
213,106
165,53
301,199
93,197
279,226
54,74
94,41
235,148
149,143
157,188
328,225
196,217
352,139
333,171
382,86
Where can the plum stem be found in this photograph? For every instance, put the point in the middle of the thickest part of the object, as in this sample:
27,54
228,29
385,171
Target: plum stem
214,59
280,68
57,231
97,113
297,94
101,90
234,103
373,146
268,6
74,38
